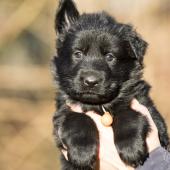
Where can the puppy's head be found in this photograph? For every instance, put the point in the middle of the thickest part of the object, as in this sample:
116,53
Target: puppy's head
96,55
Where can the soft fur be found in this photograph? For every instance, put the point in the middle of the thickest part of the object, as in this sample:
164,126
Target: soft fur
100,62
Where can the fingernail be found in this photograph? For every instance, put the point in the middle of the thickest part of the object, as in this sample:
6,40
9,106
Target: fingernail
68,103
134,103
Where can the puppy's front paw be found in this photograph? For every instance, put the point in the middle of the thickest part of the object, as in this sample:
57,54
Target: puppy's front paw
81,155
134,152
80,136
130,137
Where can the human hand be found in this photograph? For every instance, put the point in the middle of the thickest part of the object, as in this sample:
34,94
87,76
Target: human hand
108,155
153,139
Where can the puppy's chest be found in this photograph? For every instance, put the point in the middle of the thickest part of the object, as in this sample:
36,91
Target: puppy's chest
114,110
95,108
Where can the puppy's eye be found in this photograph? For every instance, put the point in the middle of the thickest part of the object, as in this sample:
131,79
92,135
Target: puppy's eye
109,57
78,54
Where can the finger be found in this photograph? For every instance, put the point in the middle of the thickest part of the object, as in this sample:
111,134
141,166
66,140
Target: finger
139,107
64,152
135,105
103,130
97,119
75,107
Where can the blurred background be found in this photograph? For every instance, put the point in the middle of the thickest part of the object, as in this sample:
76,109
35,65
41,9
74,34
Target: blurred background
27,43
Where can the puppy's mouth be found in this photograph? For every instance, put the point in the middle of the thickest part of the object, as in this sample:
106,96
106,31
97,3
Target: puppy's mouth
94,98
91,98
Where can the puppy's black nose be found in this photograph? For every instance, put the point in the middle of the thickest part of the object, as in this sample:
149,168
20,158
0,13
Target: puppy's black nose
91,80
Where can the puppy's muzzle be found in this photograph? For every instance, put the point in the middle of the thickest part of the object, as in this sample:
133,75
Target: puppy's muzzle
90,78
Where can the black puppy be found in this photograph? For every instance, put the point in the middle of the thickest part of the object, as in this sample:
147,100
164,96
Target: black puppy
99,63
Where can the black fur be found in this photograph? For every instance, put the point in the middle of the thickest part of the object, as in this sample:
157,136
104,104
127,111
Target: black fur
100,62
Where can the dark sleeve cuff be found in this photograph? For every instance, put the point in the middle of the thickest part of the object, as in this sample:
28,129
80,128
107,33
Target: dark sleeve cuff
159,159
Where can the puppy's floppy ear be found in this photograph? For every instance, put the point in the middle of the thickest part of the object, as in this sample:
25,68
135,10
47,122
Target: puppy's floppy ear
135,45
67,13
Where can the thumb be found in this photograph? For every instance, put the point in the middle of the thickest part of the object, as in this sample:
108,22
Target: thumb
97,119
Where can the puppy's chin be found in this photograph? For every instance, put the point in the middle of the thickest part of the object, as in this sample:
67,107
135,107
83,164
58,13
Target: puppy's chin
94,99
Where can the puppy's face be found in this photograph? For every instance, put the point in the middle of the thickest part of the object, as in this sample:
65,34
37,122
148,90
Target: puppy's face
96,55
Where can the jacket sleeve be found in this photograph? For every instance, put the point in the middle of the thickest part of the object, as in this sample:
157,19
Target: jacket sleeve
159,159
